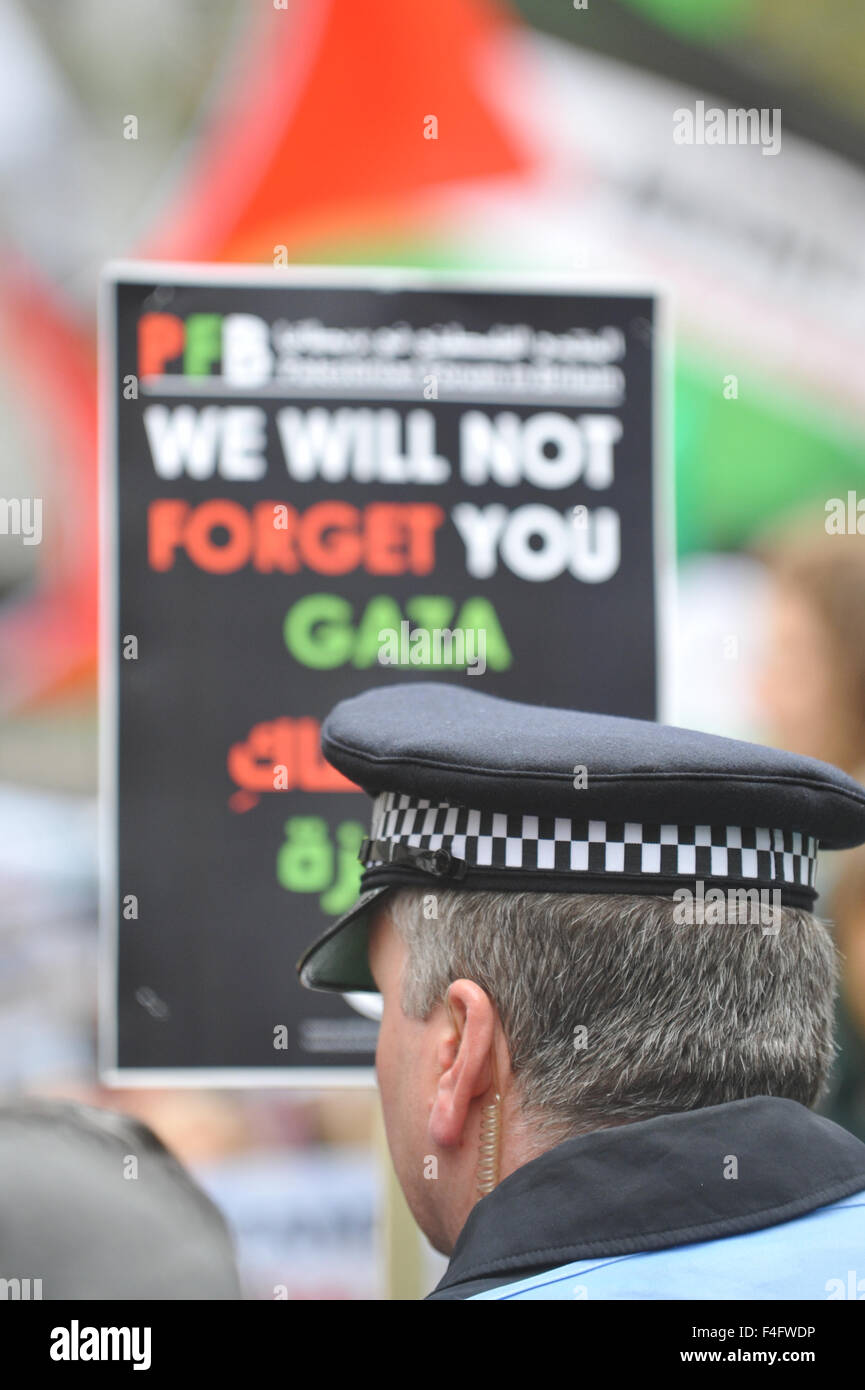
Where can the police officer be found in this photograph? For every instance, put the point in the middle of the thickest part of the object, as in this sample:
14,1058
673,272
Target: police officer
607,1006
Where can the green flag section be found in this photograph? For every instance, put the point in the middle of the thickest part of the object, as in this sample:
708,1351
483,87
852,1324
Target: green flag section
741,461
698,18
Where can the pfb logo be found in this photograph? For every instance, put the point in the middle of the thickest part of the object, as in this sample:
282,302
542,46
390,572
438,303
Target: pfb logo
236,348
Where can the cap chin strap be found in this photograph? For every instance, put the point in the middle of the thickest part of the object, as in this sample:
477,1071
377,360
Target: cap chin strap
438,862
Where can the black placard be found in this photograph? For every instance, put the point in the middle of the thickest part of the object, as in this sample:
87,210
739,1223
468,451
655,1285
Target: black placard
295,463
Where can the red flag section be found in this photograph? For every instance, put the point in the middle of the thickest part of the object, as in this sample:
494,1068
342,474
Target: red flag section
344,111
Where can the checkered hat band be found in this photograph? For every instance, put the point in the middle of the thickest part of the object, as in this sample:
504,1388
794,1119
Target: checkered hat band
501,840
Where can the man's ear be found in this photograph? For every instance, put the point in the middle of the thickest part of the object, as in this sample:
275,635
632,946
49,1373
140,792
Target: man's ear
464,1060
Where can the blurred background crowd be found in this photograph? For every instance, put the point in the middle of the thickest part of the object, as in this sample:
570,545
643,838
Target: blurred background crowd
249,130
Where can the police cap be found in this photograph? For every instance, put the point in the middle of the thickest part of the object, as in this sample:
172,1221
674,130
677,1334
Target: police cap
475,792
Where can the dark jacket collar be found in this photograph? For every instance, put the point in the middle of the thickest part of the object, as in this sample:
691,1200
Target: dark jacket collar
655,1184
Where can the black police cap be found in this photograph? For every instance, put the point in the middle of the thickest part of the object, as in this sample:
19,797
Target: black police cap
475,792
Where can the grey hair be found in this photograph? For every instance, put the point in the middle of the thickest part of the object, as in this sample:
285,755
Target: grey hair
613,1012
